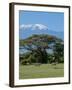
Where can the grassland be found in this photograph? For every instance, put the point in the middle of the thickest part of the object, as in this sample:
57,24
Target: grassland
42,71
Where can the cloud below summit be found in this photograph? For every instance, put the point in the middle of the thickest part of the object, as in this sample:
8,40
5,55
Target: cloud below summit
33,27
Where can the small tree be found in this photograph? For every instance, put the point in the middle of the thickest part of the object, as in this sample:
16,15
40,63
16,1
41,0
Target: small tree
58,51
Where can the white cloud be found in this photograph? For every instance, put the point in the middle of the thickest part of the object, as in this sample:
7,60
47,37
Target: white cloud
25,26
39,27
33,27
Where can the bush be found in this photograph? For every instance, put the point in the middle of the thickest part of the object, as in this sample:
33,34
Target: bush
24,62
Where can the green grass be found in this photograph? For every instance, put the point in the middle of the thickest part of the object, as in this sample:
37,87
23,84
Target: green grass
42,71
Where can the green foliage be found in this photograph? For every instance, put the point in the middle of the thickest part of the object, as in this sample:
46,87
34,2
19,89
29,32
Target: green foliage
37,45
58,52
23,62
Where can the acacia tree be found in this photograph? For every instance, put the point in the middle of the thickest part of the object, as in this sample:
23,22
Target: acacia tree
39,44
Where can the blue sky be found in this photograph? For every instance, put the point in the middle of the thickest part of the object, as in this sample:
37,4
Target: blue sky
31,22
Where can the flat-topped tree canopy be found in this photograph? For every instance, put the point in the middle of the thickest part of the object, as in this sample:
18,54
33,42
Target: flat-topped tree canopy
38,46
42,41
